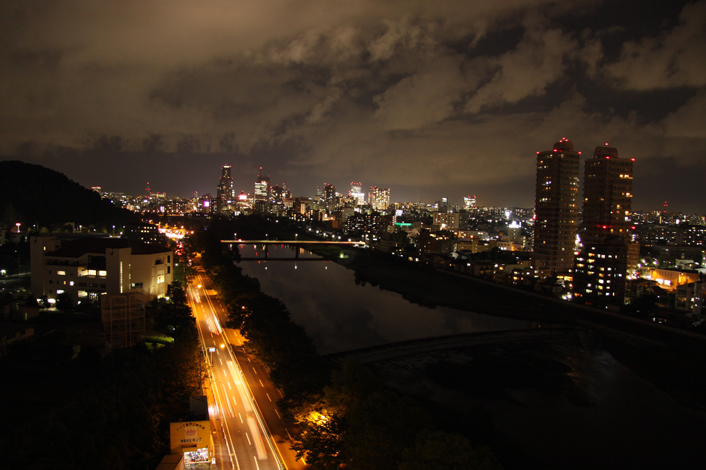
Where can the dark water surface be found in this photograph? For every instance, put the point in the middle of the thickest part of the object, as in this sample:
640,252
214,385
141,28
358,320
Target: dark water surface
339,315
630,424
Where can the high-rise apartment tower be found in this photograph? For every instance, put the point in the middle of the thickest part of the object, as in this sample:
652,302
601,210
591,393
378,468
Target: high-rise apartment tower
607,196
556,208
602,262
379,198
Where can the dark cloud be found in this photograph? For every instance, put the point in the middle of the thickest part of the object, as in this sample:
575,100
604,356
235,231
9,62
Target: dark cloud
420,96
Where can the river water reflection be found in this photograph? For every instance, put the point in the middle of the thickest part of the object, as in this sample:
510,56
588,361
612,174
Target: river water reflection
630,424
339,315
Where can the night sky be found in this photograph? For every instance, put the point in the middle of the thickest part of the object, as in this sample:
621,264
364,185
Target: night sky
431,98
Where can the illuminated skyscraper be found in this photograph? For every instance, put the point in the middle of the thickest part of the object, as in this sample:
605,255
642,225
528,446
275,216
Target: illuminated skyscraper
224,193
556,208
379,198
602,263
262,192
357,192
469,202
329,195
279,193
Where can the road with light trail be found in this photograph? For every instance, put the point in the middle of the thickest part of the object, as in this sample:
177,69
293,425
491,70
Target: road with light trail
249,431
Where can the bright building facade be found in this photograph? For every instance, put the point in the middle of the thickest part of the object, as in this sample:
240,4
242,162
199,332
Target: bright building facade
86,268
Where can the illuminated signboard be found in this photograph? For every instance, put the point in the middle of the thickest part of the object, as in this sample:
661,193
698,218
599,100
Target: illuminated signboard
190,435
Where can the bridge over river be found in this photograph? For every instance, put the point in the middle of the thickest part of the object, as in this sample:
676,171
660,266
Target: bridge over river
441,343
302,243
296,243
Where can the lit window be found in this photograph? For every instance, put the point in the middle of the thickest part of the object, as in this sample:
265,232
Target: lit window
61,273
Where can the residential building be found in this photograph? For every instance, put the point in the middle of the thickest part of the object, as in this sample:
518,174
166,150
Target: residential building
556,208
606,249
690,297
379,198
446,221
607,196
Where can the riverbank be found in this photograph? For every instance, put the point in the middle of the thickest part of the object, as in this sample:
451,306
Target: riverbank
428,287
552,405
671,359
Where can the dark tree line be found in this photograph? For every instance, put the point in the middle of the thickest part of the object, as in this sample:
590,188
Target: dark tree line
122,420
358,423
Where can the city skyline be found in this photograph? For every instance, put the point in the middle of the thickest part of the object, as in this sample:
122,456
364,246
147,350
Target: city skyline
430,100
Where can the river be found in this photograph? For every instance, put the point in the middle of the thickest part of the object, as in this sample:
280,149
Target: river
628,424
340,315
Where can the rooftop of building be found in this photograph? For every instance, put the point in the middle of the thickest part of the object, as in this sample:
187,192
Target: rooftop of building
605,151
564,144
78,248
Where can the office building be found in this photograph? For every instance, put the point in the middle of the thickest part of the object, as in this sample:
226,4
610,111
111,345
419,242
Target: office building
261,196
469,202
225,194
330,196
556,209
86,268
357,193
144,232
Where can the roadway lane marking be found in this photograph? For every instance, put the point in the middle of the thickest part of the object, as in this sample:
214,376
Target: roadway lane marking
261,382
268,397
253,369
241,418
220,360
230,386
248,358
256,464
246,435
277,412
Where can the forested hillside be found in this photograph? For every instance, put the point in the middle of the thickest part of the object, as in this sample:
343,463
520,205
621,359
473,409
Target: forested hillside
35,195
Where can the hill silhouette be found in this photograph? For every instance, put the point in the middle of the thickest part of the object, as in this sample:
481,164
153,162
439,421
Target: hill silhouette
35,195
